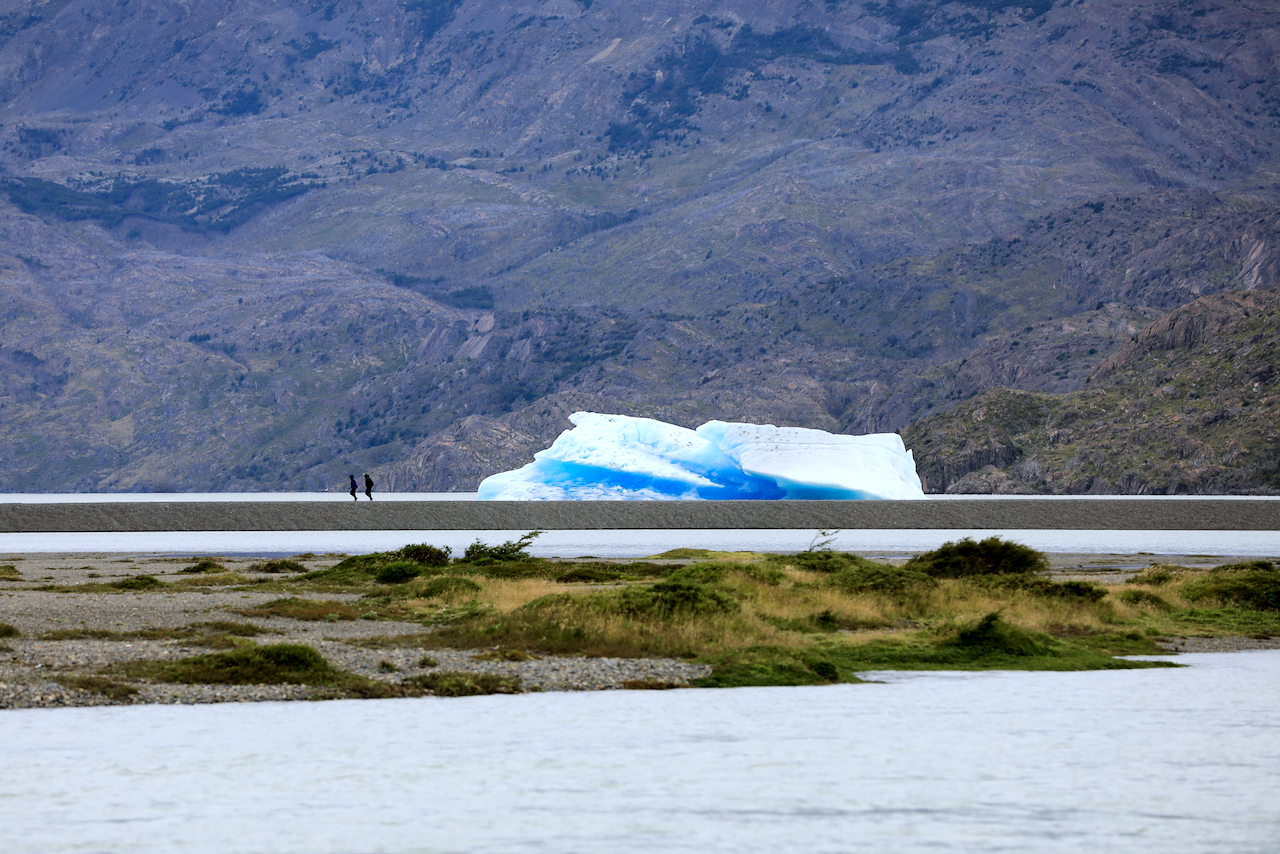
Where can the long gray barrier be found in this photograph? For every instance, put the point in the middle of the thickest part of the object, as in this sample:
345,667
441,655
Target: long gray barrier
1170,514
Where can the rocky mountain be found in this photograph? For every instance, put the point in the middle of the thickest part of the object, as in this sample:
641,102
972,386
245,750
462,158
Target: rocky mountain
259,245
1187,405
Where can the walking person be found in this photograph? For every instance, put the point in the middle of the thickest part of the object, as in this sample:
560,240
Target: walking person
368,486
354,487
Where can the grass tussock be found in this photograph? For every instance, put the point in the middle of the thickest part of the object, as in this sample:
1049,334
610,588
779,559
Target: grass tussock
9,572
8,631
277,565
217,633
137,583
295,664
457,684
205,565
277,664
295,608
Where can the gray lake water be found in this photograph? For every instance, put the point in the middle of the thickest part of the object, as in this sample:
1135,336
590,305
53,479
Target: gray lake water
1167,761
606,544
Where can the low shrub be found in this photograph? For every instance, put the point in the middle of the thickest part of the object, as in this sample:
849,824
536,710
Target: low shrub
880,578
276,565
398,572
822,561
1155,575
707,572
667,599
287,663
992,556
427,555
992,636
512,550
588,575
1144,599
203,566
138,582
767,666
1254,585
1080,591
450,683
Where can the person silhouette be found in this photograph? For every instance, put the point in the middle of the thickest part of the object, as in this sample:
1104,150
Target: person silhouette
354,487
368,486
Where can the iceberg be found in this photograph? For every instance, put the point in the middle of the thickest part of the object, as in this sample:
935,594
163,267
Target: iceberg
622,458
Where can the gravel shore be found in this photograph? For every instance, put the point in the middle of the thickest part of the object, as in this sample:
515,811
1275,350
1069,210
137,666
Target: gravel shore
55,645
35,665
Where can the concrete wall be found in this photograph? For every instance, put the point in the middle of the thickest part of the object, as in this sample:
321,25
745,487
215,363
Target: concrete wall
1194,514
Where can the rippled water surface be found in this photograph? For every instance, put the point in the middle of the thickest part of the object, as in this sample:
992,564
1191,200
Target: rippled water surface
1170,760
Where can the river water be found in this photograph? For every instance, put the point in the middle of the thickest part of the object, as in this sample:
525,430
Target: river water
1167,761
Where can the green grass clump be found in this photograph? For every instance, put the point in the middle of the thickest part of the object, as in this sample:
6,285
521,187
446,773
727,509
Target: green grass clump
8,631
667,599
992,636
589,575
9,572
1083,591
427,555
771,666
992,556
205,565
216,579
880,578
303,609
215,633
1254,585
826,562
398,572
512,550
277,664
359,571
137,582
456,684
276,565
1155,575
1144,599
285,663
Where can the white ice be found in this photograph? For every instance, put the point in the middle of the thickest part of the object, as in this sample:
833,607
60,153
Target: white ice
621,458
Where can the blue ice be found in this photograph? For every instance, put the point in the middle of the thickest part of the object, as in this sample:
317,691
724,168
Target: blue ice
622,458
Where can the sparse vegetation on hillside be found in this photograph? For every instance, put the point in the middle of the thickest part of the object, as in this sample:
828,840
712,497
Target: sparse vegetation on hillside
410,237
1189,405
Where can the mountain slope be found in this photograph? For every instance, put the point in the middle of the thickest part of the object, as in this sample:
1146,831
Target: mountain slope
838,215
1190,404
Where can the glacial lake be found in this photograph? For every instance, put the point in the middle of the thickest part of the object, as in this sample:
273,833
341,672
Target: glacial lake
1167,761
604,544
